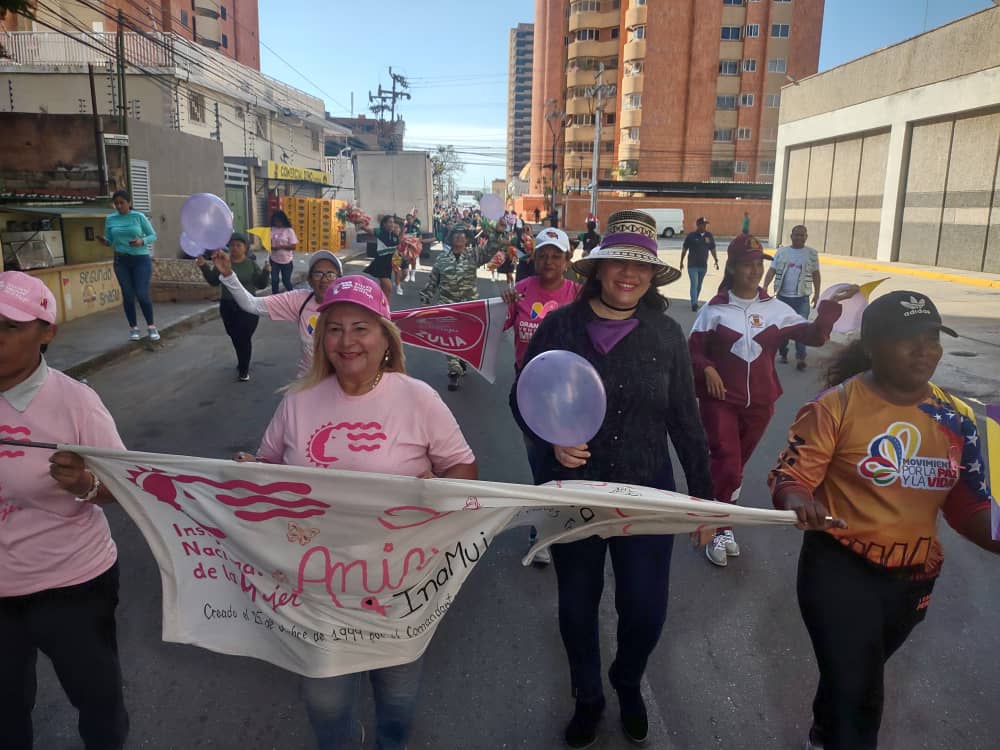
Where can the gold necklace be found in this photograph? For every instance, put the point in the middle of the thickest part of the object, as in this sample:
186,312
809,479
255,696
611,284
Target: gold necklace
375,381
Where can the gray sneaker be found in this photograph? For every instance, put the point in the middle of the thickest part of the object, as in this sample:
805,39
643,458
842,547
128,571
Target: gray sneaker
732,548
715,551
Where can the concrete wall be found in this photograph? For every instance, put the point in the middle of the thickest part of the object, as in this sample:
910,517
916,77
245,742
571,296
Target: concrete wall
179,165
724,214
49,155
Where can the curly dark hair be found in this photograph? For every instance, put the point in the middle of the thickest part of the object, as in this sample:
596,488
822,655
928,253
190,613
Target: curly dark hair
846,361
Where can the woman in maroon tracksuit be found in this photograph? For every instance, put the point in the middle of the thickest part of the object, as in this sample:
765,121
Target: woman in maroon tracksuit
733,344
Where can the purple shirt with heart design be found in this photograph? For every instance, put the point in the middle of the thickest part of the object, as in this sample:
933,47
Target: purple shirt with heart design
530,310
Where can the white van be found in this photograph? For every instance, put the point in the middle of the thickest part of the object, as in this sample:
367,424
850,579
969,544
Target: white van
669,221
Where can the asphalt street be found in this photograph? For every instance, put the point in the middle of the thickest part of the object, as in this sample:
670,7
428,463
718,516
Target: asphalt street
733,670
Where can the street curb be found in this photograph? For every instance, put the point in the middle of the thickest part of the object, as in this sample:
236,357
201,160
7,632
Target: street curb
131,348
894,270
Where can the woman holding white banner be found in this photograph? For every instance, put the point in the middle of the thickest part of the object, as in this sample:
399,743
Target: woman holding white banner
618,325
58,562
358,391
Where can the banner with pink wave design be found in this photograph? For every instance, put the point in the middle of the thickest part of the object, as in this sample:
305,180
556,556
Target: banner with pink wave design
325,572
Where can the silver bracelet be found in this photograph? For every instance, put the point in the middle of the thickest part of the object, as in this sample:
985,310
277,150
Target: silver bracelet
95,488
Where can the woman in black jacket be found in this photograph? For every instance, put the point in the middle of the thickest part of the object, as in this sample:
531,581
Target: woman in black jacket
618,324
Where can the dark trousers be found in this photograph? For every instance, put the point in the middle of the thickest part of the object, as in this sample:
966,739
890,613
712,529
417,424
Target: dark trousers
284,270
642,577
240,326
733,434
75,627
133,273
801,306
857,615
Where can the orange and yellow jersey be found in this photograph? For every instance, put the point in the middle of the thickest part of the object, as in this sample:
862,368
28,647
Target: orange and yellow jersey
887,470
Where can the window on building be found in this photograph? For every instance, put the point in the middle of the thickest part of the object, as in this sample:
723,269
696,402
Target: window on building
582,120
607,147
196,107
314,136
725,101
778,65
741,167
749,65
767,167
729,67
752,30
632,101
630,135
732,2
633,68
779,30
744,134
723,135
746,100
609,119
628,167
225,42
731,33
782,1
772,101
261,129
184,18
638,32
722,168
614,32
769,134
587,35
585,6
222,12
639,2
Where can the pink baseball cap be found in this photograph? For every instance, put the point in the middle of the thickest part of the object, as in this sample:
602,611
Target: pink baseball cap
24,298
358,290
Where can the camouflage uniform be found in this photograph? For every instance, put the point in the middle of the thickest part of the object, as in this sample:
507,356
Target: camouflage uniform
453,279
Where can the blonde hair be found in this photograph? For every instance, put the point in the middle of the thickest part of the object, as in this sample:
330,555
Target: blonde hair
322,368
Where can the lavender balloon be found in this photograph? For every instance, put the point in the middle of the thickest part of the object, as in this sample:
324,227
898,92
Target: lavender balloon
207,220
190,247
561,398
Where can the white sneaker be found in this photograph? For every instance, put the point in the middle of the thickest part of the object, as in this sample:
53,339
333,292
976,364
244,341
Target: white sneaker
154,333
544,557
399,289
715,551
732,548
133,334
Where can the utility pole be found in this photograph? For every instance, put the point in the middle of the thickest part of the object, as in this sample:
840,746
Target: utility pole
601,90
102,159
385,101
217,135
122,98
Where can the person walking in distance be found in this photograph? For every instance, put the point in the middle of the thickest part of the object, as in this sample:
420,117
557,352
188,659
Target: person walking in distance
745,226
795,272
131,235
699,244
283,244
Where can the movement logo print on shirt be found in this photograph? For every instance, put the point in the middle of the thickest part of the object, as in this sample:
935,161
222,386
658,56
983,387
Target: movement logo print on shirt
893,456
539,311
311,324
358,437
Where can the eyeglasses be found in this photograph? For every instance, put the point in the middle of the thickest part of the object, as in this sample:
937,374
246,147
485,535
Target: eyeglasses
323,275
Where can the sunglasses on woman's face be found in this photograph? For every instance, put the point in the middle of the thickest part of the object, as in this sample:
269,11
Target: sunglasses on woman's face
323,275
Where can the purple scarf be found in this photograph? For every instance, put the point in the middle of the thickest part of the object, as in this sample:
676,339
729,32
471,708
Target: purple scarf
605,334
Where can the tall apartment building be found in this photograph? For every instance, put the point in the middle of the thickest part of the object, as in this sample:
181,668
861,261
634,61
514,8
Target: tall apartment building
697,86
230,27
520,56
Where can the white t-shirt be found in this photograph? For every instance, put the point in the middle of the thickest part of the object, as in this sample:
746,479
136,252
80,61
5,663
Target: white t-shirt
402,428
796,264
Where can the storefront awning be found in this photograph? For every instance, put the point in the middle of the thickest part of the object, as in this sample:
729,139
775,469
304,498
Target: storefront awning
68,212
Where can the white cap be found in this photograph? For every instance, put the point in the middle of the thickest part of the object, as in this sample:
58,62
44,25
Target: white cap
326,255
552,236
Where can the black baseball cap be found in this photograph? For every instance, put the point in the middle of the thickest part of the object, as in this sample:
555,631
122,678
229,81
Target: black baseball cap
701,220
901,314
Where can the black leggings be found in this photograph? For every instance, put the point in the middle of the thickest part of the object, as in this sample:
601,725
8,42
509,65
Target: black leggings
857,614
240,326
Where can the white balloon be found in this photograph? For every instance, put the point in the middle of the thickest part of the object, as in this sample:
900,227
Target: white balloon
207,220
491,206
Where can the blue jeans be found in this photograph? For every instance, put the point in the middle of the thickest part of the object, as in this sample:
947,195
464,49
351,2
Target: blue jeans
285,271
642,576
697,276
332,706
133,273
801,306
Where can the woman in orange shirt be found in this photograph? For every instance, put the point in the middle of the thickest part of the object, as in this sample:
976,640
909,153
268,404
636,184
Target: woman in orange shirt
883,452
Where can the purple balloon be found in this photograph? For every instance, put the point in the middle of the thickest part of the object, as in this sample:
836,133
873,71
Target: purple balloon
561,398
207,220
190,247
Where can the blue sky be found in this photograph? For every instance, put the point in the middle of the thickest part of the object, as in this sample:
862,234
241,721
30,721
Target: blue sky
455,55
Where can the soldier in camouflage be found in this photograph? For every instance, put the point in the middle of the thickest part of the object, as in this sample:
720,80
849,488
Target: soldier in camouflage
453,279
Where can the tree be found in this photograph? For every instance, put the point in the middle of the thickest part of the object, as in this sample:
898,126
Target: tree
445,168
24,7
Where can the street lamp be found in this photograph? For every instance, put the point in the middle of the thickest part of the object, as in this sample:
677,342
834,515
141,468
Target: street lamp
555,118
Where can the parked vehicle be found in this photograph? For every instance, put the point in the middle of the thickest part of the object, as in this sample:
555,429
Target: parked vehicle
669,221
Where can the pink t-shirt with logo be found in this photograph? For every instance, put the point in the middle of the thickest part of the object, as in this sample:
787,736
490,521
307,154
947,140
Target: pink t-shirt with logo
287,306
402,428
283,236
528,313
47,539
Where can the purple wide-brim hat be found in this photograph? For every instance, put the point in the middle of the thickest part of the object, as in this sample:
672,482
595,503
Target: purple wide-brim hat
629,246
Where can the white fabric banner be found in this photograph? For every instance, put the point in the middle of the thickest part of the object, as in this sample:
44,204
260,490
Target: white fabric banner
331,572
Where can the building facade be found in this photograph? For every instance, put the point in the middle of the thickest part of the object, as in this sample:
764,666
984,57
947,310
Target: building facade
896,156
691,87
229,27
519,77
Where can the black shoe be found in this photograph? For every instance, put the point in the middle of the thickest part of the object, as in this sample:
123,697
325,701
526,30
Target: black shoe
635,721
244,376
582,728
453,382
465,367
694,308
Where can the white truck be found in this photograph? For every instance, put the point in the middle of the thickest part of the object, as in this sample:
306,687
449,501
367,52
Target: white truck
394,182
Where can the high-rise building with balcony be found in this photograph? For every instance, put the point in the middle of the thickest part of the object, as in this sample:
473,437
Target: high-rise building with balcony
519,74
230,27
696,86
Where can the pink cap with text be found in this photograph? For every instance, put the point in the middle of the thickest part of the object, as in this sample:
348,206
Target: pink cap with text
24,298
358,290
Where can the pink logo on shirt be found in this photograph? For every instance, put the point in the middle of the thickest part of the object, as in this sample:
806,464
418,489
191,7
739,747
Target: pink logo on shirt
360,436
10,432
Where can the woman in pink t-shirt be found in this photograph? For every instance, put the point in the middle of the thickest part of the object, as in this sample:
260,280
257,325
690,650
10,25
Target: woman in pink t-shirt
358,377
58,562
283,244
